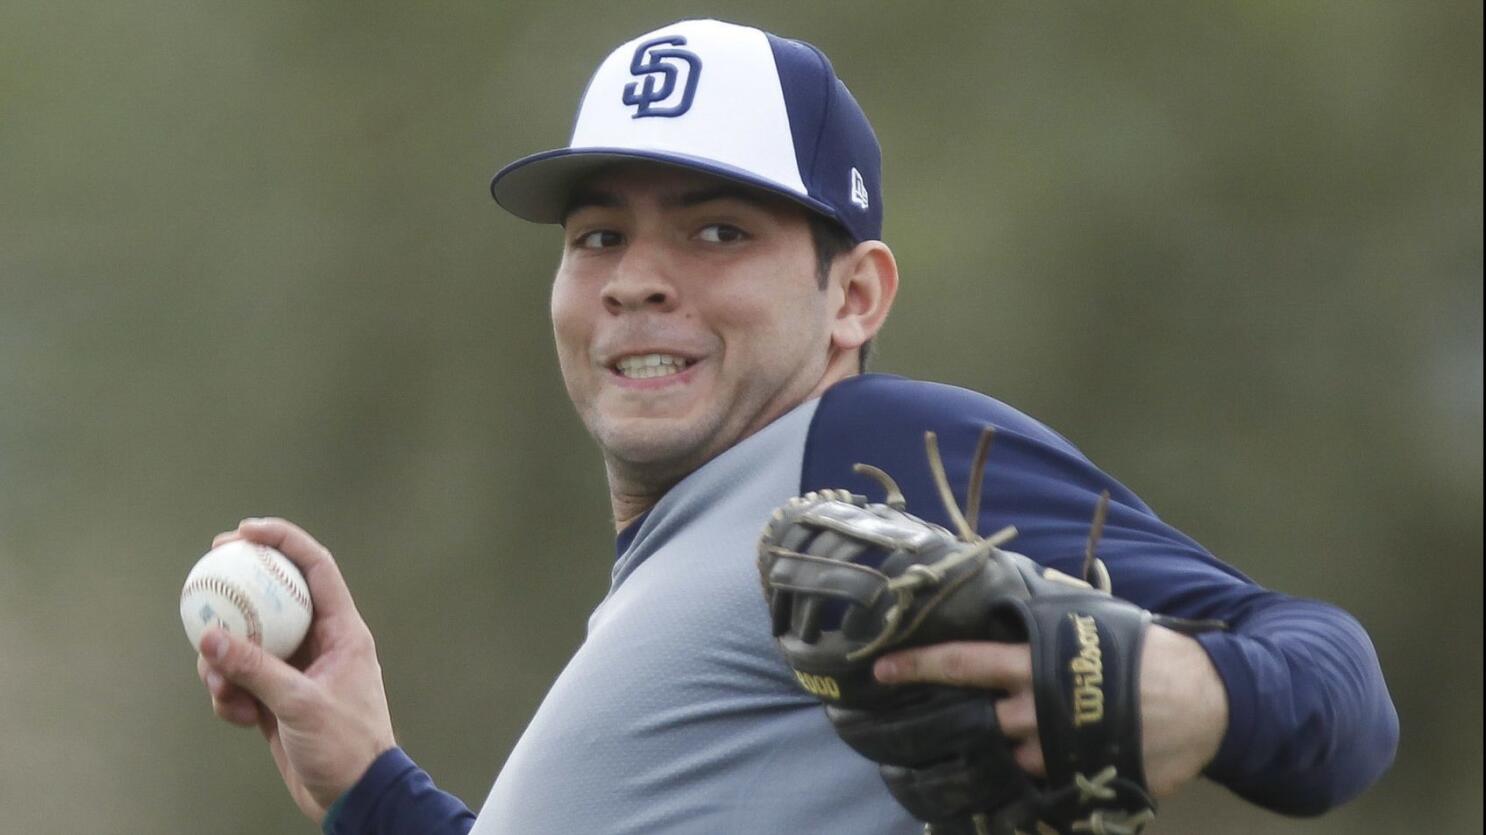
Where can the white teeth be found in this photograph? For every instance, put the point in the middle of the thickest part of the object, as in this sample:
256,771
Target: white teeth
645,366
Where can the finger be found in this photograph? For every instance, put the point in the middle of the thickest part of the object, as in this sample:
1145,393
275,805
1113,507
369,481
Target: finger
225,536
996,666
268,725
1028,757
328,589
245,664
1017,715
229,701
242,711
223,690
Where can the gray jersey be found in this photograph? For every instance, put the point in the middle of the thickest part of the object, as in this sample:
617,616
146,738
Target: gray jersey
677,714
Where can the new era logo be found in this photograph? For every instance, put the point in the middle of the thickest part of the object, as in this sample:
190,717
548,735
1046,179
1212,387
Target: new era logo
858,189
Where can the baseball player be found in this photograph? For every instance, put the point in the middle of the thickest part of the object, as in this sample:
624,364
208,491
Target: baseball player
721,280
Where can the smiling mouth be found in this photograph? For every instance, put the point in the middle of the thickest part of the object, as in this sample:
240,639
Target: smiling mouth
649,366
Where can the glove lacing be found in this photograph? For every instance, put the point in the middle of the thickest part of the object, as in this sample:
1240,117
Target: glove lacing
1106,821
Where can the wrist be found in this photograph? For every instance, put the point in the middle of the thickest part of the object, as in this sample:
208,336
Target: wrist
1184,709
350,811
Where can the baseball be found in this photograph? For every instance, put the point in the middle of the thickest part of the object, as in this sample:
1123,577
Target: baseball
251,590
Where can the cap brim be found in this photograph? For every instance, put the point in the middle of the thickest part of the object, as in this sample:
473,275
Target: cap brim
538,187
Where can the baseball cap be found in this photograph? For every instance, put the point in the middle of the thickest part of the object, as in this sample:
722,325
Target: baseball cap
724,99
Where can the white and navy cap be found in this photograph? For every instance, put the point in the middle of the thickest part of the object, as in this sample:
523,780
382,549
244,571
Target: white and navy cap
728,100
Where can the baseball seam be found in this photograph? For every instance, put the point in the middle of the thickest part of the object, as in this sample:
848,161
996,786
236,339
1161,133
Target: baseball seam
236,596
272,567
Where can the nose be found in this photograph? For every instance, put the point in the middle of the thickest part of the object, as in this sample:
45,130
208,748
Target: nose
640,281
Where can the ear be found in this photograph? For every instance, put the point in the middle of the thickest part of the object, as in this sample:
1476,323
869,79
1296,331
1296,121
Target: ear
864,283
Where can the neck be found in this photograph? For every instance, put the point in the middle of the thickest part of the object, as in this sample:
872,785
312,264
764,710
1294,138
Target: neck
629,504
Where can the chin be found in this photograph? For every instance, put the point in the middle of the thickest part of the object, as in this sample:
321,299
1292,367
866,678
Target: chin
654,446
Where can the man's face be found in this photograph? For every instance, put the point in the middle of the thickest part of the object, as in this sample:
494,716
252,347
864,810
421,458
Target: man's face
687,315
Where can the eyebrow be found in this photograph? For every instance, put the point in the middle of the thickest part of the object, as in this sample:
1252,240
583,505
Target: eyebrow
584,198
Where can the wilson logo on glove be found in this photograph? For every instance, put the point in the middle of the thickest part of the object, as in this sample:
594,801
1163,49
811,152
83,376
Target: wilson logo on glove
822,686
1087,668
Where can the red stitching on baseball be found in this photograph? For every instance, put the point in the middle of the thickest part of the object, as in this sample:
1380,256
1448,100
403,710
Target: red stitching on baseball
273,567
236,596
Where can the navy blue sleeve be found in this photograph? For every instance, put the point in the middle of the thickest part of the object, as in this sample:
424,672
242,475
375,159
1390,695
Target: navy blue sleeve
1311,723
396,797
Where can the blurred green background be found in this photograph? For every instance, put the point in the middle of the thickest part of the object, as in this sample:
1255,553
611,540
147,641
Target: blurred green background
249,265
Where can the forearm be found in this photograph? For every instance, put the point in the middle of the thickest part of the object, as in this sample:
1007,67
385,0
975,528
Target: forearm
396,797
1311,723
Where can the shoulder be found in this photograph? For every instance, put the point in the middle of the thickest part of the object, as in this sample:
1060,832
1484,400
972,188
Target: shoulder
881,420
877,419
1035,480
879,406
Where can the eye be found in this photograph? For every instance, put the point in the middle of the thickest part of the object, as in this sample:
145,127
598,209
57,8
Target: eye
721,233
598,239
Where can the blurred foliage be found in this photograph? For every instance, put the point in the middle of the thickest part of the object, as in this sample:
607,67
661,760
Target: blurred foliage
249,265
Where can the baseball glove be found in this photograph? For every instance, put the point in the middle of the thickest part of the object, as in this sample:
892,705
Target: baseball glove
848,581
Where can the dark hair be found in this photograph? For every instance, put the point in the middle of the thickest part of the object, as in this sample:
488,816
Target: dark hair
831,241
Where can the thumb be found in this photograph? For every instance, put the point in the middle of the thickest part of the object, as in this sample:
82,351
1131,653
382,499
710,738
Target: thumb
245,664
